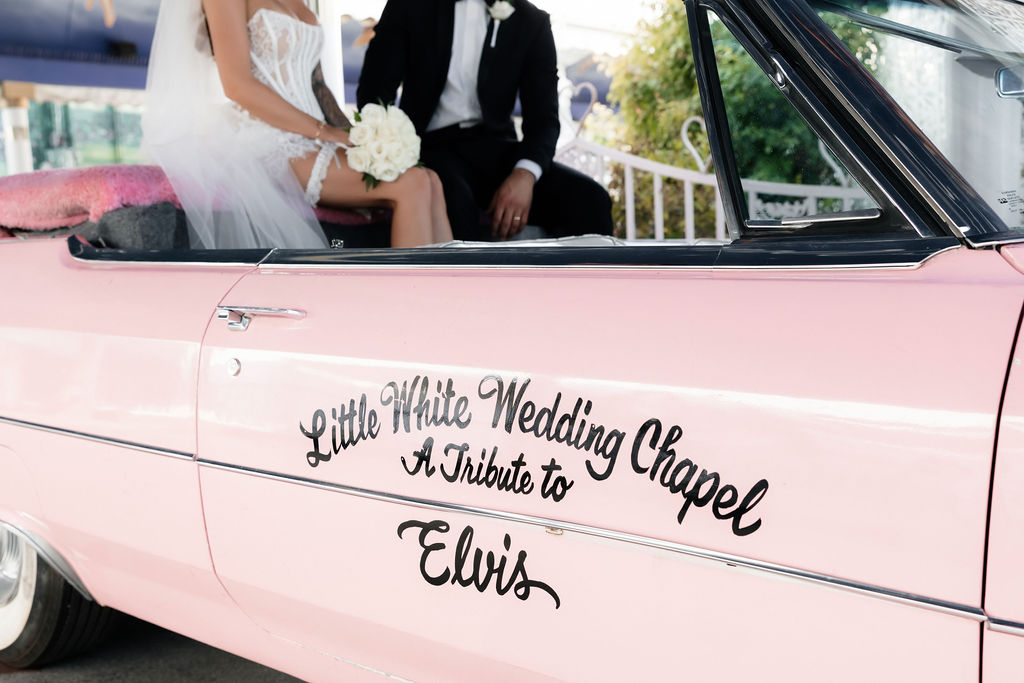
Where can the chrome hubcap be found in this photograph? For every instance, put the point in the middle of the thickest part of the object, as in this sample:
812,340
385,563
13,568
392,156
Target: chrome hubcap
12,563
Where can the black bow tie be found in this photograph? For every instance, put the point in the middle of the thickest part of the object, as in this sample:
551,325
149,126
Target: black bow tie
490,3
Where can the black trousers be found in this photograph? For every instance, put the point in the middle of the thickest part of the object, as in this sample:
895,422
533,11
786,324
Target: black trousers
473,163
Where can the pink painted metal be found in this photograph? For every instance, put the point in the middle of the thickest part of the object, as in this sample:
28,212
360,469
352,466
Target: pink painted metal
627,612
850,403
1004,594
112,350
1014,254
1004,654
875,444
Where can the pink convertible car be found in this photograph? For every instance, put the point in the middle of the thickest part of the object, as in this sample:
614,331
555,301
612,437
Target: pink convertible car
794,455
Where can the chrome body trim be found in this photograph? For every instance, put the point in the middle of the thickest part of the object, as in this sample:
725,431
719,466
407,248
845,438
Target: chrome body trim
910,265
265,267
165,264
52,558
1012,628
859,215
887,252
549,525
468,266
1009,241
152,450
915,265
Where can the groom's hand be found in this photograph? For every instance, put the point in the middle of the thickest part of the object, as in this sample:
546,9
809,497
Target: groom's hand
510,206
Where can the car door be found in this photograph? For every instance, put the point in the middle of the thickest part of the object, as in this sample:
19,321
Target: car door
772,460
759,459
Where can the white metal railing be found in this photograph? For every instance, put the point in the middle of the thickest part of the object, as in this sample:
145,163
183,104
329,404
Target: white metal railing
594,160
807,198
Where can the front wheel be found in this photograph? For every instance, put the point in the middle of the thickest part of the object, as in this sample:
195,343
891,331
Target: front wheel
42,618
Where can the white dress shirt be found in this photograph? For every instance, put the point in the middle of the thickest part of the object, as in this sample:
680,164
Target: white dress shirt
460,103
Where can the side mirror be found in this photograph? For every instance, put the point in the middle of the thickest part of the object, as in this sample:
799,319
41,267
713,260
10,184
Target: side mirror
1010,82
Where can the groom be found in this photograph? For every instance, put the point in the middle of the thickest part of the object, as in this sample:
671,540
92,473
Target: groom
461,64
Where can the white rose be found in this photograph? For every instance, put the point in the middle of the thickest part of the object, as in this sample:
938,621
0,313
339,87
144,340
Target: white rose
501,10
386,132
358,159
360,134
377,149
393,152
399,120
410,155
385,172
395,114
372,114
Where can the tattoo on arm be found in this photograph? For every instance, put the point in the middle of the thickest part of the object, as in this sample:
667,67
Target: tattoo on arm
329,105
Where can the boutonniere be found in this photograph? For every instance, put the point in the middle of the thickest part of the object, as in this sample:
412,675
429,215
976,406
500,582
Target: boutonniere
499,11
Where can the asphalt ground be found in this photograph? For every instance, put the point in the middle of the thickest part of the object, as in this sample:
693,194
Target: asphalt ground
138,652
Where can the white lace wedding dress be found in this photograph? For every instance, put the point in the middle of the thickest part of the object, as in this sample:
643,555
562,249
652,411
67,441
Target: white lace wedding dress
284,51
229,170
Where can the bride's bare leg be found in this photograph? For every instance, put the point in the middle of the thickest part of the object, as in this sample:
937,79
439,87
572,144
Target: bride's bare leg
411,219
410,198
442,229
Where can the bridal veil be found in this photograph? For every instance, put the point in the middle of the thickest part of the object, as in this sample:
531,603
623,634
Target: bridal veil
232,198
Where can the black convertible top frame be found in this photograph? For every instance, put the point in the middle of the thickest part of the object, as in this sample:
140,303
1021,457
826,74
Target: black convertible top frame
783,252
853,107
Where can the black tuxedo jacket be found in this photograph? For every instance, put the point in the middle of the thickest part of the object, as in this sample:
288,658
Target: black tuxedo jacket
413,46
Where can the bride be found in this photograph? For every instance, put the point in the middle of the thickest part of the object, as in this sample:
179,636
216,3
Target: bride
232,118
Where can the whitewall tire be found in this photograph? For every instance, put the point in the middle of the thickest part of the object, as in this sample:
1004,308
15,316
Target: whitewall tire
42,618
17,586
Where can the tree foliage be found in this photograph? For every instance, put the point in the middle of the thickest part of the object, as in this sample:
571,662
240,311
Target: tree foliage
770,140
654,86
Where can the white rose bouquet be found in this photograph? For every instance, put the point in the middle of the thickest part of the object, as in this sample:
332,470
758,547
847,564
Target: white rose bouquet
383,144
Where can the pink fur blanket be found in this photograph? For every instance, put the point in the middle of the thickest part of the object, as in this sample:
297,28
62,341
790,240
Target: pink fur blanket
60,198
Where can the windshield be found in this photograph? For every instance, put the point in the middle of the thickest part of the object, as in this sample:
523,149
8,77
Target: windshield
956,67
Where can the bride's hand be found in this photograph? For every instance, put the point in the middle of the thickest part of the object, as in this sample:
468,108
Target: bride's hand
336,135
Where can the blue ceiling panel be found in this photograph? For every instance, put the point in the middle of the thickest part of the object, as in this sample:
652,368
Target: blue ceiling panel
66,26
60,42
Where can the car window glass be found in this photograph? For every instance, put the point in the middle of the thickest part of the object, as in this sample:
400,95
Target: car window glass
957,71
786,171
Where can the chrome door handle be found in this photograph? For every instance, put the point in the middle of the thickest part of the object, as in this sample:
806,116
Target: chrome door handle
239,317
